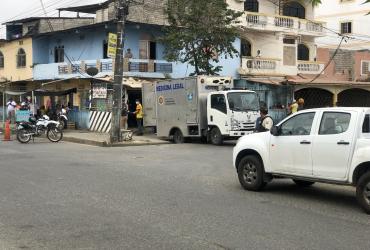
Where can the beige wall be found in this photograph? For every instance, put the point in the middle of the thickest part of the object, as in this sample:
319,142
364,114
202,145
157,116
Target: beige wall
10,50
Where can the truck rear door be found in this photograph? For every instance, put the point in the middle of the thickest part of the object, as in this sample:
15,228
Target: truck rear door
332,144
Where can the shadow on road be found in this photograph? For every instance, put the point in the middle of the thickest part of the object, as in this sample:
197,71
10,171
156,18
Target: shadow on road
329,194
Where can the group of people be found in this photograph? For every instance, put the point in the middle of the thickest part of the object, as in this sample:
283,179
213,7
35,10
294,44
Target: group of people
265,121
27,104
139,114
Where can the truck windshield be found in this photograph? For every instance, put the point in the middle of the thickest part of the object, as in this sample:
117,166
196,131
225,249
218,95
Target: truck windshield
242,101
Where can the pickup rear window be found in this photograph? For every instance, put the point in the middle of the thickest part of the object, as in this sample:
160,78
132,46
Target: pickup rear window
366,124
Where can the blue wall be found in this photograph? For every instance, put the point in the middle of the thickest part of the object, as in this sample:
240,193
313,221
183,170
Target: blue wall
84,44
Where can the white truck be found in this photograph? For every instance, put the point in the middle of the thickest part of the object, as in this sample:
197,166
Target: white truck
203,107
330,145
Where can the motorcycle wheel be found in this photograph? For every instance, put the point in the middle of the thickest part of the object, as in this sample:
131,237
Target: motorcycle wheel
62,124
22,137
54,134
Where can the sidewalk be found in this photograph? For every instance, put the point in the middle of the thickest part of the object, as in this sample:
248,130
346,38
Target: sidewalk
102,139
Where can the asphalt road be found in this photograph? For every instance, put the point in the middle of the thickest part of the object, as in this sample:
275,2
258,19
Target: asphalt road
71,196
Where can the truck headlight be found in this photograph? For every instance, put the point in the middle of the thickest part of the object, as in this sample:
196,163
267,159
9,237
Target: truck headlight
234,124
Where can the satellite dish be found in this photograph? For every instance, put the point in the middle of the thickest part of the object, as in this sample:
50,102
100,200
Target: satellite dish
92,71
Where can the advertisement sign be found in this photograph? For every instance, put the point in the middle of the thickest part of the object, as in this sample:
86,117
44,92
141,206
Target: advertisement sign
112,45
22,115
99,92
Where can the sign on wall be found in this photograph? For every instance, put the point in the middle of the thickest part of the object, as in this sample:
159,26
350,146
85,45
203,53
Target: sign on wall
112,45
99,92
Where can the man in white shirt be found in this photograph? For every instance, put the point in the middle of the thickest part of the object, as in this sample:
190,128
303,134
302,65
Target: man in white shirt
11,105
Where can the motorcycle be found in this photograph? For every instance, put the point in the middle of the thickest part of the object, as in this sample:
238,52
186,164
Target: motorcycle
36,127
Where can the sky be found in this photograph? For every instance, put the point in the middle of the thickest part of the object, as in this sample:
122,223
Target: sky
17,9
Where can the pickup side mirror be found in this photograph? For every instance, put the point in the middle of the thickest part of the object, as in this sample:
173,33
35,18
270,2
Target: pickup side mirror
275,131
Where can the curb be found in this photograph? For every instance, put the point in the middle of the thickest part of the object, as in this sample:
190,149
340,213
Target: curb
85,141
106,144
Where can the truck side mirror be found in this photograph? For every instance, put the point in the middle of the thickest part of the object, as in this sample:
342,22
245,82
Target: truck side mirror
275,131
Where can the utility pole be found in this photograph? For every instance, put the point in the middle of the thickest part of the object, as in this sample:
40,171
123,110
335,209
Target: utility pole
122,12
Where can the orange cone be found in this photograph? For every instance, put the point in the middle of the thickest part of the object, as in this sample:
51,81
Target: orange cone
7,131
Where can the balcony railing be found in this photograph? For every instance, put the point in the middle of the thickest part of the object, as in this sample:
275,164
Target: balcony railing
307,67
131,67
256,66
274,23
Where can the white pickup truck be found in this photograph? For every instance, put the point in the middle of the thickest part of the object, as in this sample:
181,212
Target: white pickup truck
330,145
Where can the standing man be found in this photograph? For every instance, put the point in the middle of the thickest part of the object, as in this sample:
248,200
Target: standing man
293,107
139,117
124,115
264,122
11,105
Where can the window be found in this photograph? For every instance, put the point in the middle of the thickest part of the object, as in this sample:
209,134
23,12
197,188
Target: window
105,49
251,5
288,40
21,58
365,67
218,102
59,54
1,60
246,48
294,9
298,125
303,52
346,28
334,123
147,50
366,124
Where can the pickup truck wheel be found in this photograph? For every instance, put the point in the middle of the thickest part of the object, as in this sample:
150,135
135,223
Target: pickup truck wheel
363,192
215,136
303,183
250,173
178,138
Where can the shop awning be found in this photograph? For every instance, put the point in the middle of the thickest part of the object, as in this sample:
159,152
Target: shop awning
43,92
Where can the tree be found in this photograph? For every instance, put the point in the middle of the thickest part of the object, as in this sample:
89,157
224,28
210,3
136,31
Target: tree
199,31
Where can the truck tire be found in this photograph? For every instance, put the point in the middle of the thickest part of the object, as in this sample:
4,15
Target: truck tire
216,136
363,191
250,173
301,183
178,138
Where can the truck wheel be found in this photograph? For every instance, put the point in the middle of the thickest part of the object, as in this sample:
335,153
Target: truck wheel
215,136
363,192
250,173
178,137
301,183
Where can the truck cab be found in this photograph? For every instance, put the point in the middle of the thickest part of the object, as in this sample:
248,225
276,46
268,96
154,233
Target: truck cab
231,113
330,145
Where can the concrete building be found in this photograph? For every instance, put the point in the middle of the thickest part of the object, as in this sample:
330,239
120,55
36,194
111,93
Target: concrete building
277,41
348,17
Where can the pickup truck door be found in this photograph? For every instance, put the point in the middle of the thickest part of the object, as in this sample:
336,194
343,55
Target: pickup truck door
333,143
290,151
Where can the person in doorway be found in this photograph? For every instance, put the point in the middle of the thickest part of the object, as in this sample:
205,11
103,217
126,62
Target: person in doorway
128,54
124,115
139,117
300,104
11,105
264,122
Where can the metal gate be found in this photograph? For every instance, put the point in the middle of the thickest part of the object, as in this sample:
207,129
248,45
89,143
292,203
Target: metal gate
315,97
354,98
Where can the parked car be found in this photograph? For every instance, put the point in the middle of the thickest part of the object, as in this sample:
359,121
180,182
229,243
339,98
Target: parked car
330,145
